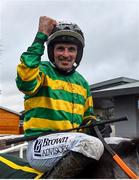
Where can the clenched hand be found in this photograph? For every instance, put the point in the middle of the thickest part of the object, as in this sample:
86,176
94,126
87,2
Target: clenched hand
46,25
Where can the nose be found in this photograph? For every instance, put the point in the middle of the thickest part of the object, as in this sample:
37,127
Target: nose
65,52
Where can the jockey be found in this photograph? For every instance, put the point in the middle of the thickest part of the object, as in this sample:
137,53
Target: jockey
57,97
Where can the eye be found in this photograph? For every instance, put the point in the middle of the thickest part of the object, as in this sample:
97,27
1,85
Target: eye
72,49
60,48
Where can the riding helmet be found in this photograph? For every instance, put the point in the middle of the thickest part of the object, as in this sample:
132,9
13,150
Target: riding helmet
66,33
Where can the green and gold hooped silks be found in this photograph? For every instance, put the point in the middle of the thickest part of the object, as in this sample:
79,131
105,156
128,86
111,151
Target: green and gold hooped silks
52,101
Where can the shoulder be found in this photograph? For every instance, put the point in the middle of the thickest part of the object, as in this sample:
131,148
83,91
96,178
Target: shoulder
81,78
45,64
78,79
46,67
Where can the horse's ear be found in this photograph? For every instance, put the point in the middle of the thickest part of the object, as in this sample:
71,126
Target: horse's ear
135,141
124,148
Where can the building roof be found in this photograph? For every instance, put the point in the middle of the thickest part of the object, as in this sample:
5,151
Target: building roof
112,83
9,110
125,89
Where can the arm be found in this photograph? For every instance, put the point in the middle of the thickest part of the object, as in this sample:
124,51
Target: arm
89,113
29,78
89,109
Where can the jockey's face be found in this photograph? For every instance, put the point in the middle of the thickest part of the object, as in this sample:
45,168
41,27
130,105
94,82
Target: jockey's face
65,55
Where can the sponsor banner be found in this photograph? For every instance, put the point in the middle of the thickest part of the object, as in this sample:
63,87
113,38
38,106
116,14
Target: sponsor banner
59,144
52,146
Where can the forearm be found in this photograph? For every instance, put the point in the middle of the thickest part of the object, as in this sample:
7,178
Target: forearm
29,77
89,106
32,57
89,109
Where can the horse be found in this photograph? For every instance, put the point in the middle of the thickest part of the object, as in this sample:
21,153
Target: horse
106,168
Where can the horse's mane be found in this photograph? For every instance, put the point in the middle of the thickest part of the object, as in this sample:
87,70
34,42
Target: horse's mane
125,148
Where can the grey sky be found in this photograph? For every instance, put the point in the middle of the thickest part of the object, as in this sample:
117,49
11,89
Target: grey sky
111,29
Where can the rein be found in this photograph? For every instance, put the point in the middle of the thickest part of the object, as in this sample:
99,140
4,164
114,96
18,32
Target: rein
33,137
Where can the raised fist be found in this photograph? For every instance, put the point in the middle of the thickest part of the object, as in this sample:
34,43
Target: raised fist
46,25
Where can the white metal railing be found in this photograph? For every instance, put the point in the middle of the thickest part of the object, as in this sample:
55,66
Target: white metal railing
18,148
14,148
7,136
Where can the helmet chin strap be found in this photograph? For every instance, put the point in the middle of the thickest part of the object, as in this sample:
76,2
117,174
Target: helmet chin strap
75,65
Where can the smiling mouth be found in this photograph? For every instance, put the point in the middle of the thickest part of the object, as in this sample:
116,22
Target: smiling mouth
65,63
